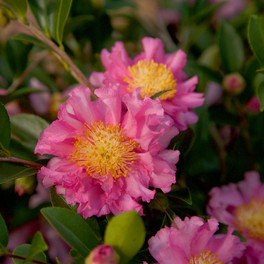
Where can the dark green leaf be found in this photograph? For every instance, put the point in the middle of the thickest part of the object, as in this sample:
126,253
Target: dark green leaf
23,91
3,232
260,95
38,245
5,132
118,4
126,233
19,7
73,229
184,140
29,39
57,200
17,56
183,195
61,18
23,251
205,71
19,151
230,47
27,128
51,16
11,171
256,36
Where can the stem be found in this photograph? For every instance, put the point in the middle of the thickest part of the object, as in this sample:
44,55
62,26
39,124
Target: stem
76,73
9,255
21,161
25,74
165,211
244,125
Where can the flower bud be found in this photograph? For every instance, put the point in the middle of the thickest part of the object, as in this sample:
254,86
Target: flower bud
234,83
103,254
24,185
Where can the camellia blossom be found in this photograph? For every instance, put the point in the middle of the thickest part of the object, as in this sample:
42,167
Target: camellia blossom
241,205
194,242
153,72
108,151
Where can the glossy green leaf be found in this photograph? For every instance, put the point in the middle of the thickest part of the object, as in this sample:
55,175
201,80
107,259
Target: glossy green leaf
73,229
23,251
27,128
256,36
17,56
29,39
38,245
260,95
11,171
19,7
230,47
51,16
3,232
126,233
57,200
61,18
5,132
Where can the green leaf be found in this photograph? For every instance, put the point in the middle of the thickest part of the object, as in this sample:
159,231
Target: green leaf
3,232
57,200
23,251
184,140
183,195
17,56
73,229
29,39
61,18
11,171
27,128
126,233
51,16
38,245
159,94
19,7
5,132
230,47
256,36
260,95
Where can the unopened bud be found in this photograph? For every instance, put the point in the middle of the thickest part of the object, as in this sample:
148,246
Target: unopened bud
234,83
103,254
24,185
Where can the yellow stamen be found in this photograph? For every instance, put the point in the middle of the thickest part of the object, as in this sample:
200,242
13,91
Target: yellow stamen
205,257
250,217
153,78
104,150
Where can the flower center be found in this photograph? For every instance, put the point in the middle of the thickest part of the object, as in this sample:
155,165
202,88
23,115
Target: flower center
250,217
104,150
205,257
153,78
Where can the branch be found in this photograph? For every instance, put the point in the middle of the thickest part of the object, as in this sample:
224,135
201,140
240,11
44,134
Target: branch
21,161
9,255
76,73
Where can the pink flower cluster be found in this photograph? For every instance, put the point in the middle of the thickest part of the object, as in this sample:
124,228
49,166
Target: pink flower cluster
111,153
194,241
241,206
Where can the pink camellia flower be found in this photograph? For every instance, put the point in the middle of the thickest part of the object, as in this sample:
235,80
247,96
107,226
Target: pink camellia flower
241,205
109,151
194,242
153,72
103,254
253,105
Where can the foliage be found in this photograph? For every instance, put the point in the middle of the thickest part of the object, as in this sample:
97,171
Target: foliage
43,60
